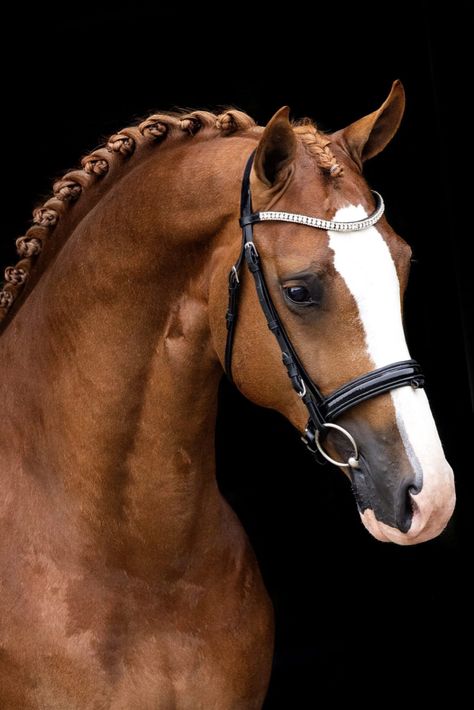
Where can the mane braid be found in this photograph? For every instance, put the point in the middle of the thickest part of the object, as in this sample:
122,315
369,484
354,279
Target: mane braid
95,166
117,150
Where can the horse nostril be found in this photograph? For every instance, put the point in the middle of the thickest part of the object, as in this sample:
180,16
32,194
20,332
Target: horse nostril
405,511
389,492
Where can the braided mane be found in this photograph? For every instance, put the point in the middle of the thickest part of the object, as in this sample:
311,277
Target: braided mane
317,144
118,149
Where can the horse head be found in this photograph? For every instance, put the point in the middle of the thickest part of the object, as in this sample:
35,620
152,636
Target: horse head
336,294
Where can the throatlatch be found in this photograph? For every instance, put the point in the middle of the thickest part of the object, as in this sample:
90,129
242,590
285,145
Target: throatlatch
322,410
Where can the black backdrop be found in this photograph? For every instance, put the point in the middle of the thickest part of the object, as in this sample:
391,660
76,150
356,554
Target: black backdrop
355,619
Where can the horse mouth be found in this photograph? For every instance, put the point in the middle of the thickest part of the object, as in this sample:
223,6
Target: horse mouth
427,521
388,495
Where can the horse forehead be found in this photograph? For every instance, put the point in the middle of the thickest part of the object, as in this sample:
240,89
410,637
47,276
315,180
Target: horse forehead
358,252
291,243
366,264
311,193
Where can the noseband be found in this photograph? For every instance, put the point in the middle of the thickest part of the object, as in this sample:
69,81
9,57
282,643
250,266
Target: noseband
322,410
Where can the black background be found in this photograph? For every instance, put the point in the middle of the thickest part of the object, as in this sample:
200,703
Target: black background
356,620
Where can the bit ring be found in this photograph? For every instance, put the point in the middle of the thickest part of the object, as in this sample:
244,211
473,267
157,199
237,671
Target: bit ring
353,461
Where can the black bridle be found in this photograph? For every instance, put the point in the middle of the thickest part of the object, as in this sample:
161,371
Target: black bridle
322,410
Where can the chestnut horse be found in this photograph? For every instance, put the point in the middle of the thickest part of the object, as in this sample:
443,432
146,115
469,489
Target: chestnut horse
127,582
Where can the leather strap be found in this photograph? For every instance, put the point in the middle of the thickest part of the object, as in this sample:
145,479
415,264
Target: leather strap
384,379
234,274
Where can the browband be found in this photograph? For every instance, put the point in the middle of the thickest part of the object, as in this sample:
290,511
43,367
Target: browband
316,222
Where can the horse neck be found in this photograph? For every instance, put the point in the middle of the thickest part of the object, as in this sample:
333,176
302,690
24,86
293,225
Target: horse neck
114,382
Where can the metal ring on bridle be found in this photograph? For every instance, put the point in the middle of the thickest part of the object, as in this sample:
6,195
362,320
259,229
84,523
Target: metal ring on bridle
353,461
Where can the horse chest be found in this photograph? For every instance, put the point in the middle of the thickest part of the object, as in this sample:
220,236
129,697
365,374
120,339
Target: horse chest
111,642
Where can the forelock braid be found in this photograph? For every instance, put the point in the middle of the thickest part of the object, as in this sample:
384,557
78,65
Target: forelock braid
318,145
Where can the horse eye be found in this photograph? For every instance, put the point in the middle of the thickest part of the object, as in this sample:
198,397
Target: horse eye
298,294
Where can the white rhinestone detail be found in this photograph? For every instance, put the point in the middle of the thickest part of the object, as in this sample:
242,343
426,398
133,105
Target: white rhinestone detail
326,223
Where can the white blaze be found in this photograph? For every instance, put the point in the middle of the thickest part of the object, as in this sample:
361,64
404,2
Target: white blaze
364,261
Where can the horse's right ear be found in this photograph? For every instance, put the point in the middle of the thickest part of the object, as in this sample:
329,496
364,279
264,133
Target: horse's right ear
369,135
276,150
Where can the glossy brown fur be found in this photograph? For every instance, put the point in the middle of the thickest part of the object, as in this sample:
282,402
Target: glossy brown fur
127,581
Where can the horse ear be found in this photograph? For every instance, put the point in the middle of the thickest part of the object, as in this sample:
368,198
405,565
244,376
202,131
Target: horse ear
276,150
369,135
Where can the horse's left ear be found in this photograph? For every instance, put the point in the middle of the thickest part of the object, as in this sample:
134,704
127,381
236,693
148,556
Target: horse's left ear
369,135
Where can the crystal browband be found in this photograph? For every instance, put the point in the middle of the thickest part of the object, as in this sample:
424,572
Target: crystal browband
355,226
